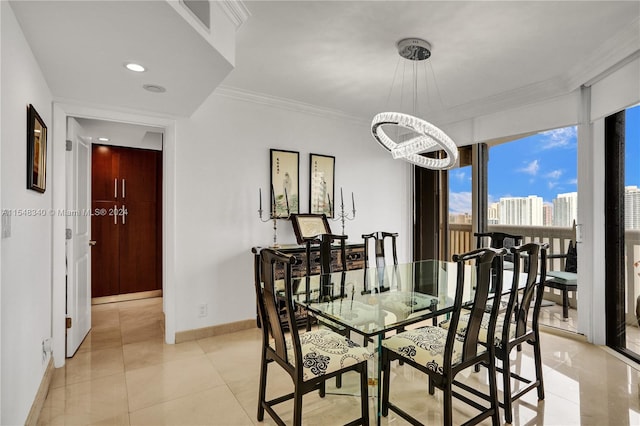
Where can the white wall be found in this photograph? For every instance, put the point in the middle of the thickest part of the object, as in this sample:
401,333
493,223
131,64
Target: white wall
26,254
222,158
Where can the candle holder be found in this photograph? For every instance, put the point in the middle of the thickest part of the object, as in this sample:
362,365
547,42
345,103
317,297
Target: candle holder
344,216
274,218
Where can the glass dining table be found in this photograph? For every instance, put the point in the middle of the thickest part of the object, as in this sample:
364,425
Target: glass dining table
374,301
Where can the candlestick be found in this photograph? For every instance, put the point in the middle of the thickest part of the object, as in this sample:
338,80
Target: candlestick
343,216
273,216
286,197
273,202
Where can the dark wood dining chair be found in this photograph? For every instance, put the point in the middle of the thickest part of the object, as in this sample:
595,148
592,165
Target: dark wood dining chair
378,239
567,279
441,354
513,325
310,358
379,246
499,240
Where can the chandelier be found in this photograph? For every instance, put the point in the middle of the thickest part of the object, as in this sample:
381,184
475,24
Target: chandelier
423,136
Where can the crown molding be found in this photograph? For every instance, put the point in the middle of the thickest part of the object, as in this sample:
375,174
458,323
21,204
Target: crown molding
607,57
286,104
235,10
503,101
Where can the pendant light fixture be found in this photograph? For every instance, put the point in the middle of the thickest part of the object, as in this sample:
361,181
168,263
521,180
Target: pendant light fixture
423,136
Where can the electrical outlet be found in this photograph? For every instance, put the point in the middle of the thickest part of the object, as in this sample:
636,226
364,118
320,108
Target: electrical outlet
203,310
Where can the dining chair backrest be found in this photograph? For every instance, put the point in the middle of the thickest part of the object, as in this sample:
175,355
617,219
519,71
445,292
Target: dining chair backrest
270,313
379,247
481,260
522,295
325,243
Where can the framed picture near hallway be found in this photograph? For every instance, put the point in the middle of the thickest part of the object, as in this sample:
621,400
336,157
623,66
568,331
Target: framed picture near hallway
285,182
322,171
36,151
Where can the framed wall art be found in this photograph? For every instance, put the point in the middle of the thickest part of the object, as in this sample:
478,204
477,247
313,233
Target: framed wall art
309,225
285,182
36,151
322,170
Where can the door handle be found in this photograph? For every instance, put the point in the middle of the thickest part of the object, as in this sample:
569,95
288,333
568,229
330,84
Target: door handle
115,188
124,209
92,243
123,188
115,215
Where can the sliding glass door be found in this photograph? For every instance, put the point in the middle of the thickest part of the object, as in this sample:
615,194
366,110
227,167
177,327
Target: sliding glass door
622,216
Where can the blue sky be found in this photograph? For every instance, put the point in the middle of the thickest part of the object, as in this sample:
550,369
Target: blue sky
543,164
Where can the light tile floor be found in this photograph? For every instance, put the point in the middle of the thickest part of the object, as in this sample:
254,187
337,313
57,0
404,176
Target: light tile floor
551,316
124,374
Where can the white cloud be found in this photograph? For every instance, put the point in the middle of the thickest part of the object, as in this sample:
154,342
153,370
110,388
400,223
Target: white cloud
554,174
460,202
459,175
559,138
531,168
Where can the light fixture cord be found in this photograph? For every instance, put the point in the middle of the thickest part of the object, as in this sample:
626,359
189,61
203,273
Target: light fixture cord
395,73
415,88
435,82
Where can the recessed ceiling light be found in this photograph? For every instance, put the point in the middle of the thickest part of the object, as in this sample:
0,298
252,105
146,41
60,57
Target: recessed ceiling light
103,139
132,66
154,88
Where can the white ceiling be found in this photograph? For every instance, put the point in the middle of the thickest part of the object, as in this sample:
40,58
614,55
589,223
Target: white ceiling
333,55
81,47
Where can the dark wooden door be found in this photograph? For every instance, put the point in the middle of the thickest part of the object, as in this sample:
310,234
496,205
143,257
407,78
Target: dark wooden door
126,220
138,230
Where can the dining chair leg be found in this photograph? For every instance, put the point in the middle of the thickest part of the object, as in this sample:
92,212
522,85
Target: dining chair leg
565,305
364,394
297,407
432,388
506,383
447,402
323,390
262,389
493,392
538,361
386,378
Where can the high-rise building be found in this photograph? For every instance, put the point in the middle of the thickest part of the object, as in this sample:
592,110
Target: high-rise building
632,207
521,210
565,209
547,214
493,214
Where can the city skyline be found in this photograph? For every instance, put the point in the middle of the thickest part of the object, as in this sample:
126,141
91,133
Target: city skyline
543,165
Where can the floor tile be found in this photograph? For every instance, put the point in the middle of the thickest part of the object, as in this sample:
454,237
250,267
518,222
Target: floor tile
125,374
163,382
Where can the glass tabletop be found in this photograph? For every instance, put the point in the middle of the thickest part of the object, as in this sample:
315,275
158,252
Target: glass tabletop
374,300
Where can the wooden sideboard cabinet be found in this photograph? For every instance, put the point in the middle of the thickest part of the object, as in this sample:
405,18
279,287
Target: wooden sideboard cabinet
354,259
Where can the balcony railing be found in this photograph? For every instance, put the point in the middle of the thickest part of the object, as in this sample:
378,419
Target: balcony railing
461,240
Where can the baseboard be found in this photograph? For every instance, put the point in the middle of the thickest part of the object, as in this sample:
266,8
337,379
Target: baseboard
124,297
563,333
41,395
215,330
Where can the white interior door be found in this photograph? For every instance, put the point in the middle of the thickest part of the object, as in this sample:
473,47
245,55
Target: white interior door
79,229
